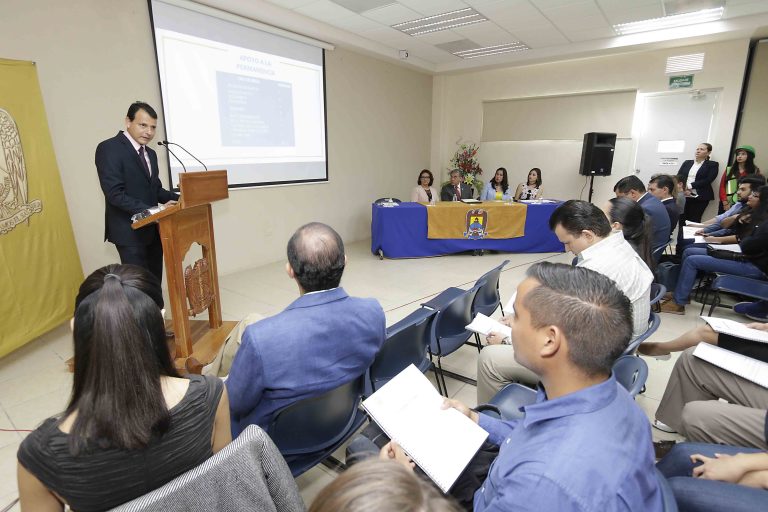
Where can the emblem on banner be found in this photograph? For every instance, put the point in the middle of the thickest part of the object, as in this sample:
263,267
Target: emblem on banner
14,205
477,224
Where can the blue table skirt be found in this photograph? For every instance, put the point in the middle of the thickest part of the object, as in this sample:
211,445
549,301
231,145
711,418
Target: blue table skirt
401,232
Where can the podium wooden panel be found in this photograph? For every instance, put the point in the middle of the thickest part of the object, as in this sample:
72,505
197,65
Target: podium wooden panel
190,221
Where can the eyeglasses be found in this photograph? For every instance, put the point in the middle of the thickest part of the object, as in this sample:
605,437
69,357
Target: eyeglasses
424,177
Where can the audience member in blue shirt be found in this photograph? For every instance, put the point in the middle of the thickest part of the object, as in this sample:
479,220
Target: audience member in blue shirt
584,444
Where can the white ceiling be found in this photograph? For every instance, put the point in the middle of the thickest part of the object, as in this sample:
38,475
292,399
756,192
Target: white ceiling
552,29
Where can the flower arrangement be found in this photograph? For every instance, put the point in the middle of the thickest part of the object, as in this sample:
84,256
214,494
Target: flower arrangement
465,161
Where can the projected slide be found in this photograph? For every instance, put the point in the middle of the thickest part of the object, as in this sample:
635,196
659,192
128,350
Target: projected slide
257,114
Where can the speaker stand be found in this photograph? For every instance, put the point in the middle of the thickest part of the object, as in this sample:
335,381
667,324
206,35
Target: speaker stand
591,186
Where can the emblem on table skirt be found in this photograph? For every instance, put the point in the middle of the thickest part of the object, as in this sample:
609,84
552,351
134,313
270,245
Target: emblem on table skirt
477,224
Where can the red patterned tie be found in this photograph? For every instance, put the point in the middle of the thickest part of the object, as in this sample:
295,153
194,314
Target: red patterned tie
458,192
144,161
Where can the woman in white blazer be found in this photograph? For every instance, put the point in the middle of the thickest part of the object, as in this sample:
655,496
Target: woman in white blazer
424,192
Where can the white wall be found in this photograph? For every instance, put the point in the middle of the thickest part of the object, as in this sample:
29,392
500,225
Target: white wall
457,112
95,57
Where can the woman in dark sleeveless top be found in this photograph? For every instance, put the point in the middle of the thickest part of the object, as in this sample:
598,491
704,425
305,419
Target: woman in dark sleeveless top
132,423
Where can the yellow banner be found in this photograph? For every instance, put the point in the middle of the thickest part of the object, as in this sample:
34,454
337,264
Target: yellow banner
476,221
40,269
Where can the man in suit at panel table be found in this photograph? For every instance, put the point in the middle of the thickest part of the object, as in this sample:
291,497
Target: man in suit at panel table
130,179
662,186
633,188
322,340
456,188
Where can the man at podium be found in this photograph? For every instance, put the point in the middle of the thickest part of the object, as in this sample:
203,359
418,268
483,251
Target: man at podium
130,179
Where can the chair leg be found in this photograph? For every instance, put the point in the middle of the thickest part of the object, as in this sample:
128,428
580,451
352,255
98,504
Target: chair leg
715,302
444,391
436,372
477,342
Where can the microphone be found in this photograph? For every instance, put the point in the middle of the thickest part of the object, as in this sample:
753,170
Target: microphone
166,143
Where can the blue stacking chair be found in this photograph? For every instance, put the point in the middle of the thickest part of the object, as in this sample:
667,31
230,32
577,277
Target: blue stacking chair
449,332
488,298
667,496
630,371
307,432
748,287
407,343
653,324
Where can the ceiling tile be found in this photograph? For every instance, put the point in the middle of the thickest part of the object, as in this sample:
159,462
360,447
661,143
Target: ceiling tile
645,12
392,14
441,36
546,5
324,10
357,24
486,34
540,37
359,6
585,23
576,10
432,7
588,35
291,4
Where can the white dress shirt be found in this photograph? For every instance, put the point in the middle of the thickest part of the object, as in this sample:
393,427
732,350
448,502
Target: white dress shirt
616,259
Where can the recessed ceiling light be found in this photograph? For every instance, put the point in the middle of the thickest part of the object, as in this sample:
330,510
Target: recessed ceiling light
466,16
677,20
492,50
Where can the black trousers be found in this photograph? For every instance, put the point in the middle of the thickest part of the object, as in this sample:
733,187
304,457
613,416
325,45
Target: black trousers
693,211
148,256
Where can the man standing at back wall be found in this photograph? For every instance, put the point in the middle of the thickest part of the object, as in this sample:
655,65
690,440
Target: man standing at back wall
130,180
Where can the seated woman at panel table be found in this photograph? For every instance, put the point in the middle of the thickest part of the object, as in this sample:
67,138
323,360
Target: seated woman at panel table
628,216
424,192
132,424
532,188
498,188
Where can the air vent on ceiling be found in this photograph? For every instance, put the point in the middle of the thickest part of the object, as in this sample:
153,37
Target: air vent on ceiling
685,63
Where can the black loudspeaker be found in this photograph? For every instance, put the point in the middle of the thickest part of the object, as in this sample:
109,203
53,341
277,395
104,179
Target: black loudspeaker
597,154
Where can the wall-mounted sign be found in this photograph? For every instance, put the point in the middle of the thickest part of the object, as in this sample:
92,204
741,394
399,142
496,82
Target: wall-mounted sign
668,161
680,82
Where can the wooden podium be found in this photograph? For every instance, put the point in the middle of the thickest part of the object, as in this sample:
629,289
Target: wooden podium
194,289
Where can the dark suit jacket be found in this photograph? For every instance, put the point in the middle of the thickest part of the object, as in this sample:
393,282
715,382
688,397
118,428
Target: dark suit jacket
446,193
659,218
128,190
704,178
673,211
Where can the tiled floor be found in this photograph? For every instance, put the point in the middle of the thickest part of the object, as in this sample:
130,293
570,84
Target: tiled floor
34,383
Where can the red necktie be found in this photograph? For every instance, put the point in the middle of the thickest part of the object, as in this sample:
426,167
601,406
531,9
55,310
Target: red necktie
458,192
144,161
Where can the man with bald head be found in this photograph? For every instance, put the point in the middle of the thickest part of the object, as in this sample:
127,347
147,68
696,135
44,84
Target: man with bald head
322,340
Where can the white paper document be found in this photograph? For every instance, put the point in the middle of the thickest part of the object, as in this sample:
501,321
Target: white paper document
440,441
689,232
743,366
486,325
736,329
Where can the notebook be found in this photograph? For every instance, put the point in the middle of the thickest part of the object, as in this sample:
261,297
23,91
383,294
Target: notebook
743,366
441,441
736,329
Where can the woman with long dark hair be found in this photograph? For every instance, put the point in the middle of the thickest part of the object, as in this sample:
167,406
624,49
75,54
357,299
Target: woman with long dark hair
743,165
531,189
132,423
629,217
498,188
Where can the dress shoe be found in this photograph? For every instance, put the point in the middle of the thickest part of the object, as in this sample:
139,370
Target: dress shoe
663,427
661,448
673,307
757,311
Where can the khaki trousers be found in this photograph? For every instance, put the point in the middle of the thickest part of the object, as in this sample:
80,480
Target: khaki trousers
496,367
691,404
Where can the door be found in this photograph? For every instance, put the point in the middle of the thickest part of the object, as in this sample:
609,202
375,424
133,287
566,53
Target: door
669,128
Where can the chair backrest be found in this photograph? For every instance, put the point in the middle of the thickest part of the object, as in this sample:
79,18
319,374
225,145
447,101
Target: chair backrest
511,398
451,321
668,503
657,292
488,297
313,424
631,372
653,324
658,251
407,342
269,486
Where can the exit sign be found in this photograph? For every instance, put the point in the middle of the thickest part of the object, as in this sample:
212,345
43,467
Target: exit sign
680,82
